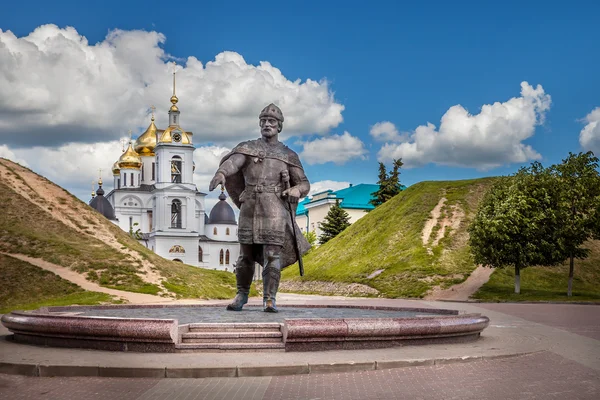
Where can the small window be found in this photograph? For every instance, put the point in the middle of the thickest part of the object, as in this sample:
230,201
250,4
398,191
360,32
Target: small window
215,230
153,169
227,233
119,183
143,171
130,223
221,257
227,257
199,254
131,180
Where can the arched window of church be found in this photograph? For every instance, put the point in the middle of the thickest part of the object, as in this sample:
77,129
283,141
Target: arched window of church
221,257
176,169
227,231
131,180
176,214
215,230
199,254
227,257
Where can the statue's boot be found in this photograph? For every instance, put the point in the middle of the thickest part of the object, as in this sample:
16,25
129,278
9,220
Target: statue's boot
271,276
243,276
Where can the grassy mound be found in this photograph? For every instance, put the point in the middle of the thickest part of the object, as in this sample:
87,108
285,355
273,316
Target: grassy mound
389,240
25,287
42,220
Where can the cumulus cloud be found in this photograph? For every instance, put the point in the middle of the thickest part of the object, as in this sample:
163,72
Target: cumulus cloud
73,166
589,137
56,88
321,186
386,131
336,148
7,153
492,138
207,160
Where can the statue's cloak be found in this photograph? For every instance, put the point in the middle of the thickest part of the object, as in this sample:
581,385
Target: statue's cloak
236,184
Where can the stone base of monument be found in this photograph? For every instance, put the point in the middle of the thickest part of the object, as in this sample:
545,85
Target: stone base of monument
193,328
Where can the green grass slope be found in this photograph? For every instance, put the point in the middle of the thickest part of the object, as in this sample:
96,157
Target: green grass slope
42,220
389,238
24,287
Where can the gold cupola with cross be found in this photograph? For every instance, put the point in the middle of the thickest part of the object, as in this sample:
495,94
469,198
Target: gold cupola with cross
130,158
174,133
146,142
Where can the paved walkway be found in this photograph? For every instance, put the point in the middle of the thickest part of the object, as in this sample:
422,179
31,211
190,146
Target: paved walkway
559,347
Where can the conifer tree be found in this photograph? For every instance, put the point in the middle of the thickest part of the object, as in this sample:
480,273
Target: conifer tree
389,185
336,220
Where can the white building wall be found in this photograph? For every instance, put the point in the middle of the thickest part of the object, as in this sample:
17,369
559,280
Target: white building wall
317,214
147,162
127,173
214,261
163,246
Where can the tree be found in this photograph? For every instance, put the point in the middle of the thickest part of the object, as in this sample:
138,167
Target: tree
336,220
137,234
579,205
517,223
389,185
311,237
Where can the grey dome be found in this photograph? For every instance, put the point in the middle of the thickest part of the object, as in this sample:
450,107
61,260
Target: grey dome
102,205
222,213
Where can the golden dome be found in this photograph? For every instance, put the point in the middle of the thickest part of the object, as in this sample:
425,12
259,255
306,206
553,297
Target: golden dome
145,144
130,159
167,135
115,168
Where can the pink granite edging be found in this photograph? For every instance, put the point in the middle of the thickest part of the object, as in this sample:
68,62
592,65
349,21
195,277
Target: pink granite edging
314,334
94,332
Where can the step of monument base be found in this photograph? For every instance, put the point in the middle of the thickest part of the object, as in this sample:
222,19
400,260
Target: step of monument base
235,327
236,340
223,347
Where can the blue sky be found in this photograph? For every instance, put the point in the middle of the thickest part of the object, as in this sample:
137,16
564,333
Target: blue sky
407,64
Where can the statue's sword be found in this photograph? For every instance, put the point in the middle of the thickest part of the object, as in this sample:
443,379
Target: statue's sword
285,176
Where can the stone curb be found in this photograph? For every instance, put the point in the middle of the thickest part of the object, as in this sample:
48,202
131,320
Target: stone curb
48,370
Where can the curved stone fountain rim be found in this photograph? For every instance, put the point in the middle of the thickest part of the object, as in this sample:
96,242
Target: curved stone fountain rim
57,309
51,327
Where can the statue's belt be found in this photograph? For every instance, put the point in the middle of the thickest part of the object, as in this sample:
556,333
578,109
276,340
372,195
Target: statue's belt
263,189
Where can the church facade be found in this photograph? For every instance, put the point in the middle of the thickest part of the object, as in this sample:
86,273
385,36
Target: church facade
155,199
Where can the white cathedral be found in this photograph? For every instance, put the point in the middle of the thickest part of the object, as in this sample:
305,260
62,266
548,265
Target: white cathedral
155,196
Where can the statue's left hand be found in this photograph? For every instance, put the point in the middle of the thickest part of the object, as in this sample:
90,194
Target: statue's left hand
293,194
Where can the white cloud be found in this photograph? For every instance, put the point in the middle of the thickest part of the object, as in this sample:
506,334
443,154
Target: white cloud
7,153
322,186
386,131
207,160
75,165
336,148
57,88
589,137
489,139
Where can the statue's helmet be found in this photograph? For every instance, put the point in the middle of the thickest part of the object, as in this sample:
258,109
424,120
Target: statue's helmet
272,111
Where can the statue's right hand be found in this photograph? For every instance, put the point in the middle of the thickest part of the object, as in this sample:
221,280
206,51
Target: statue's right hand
218,179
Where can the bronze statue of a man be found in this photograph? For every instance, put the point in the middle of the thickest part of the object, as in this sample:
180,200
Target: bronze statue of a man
265,179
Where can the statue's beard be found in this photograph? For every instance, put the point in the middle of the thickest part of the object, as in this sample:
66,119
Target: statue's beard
269,132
